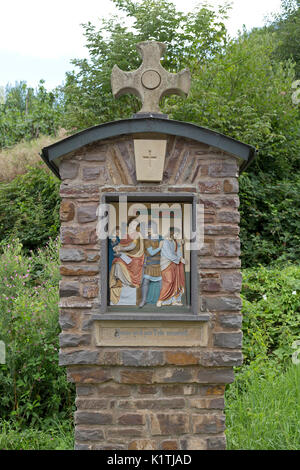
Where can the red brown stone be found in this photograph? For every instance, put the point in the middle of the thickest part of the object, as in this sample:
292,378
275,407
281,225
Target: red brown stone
67,211
136,376
181,358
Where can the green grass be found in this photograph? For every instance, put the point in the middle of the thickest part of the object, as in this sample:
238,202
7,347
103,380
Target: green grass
265,415
49,435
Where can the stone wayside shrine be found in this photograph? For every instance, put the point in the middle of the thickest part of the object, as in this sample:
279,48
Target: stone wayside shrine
151,325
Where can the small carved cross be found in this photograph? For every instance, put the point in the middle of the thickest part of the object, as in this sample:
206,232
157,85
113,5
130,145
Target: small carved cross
149,158
150,82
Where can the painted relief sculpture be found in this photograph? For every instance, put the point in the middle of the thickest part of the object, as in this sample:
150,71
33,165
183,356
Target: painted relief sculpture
151,284
147,271
126,271
172,271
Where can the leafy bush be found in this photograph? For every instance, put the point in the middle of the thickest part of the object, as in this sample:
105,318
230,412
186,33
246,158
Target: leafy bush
29,208
271,313
270,224
32,385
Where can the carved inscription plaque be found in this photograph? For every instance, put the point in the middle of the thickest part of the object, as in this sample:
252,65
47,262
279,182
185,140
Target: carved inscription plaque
150,333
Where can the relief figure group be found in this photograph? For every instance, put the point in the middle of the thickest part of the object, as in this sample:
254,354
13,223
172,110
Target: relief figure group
146,271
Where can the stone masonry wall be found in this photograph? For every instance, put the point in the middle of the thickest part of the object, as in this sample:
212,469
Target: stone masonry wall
155,397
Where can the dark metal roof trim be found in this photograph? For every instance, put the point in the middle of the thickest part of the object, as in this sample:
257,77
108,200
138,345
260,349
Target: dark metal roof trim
142,125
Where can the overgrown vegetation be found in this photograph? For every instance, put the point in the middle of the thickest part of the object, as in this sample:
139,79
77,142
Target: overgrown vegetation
242,87
26,113
271,312
32,385
265,416
29,208
16,160
50,434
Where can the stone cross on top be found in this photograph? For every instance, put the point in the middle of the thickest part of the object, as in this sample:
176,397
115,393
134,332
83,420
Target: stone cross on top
150,82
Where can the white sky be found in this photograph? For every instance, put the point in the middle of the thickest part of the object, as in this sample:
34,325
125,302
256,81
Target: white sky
38,39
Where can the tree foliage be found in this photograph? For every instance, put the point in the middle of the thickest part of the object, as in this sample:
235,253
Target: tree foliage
243,93
26,113
190,38
237,87
286,24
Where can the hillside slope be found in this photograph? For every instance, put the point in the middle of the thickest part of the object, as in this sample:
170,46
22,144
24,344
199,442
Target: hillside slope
15,160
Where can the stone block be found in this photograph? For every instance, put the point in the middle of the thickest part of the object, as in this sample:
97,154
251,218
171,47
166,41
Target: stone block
95,155
181,358
216,443
147,389
207,403
232,282
217,304
82,434
170,445
79,446
231,185
208,423
219,201
80,191
142,444
93,417
159,404
141,357
121,432
215,376
221,358
228,340
92,403
68,170
215,263
173,390
222,169
131,419
175,375
71,340
71,254
92,256
221,229
210,285
67,211
86,390
194,443
78,236
69,289
136,376
228,217
227,247
78,357
114,390
91,172
87,213
112,358
89,292
109,447
206,187
89,375
67,320
169,424
81,270
230,321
